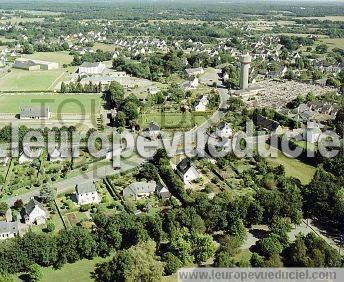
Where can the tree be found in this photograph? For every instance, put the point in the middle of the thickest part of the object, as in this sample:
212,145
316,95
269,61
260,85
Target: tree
138,263
270,246
339,122
321,48
3,208
47,193
204,247
50,226
172,263
34,272
120,119
18,204
116,91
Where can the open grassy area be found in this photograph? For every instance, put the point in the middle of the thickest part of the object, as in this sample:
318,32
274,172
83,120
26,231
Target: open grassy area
10,103
170,120
58,57
79,271
334,42
294,168
23,80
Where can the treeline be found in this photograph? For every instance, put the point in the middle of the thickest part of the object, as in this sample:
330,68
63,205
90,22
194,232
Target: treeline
77,87
98,56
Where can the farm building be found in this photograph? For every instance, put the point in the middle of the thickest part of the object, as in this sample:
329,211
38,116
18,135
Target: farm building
31,65
34,112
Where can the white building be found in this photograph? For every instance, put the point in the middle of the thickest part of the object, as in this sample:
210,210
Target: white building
56,156
8,230
187,171
87,194
91,68
202,104
224,130
28,155
34,213
312,132
28,64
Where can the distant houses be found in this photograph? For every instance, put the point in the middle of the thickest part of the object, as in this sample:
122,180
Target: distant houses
87,193
8,230
35,112
91,68
32,65
194,71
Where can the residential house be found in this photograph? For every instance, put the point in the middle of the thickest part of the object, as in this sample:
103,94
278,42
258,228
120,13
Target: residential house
139,190
162,191
29,154
87,193
8,230
91,68
35,112
201,104
190,84
187,171
56,156
312,132
153,130
268,125
224,130
34,213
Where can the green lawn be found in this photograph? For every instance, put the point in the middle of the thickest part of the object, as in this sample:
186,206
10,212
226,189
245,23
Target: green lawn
79,271
295,168
58,57
334,42
173,120
23,80
10,103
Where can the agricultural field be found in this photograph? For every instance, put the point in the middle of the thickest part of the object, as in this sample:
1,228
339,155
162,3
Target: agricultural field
23,80
334,42
10,103
58,57
173,120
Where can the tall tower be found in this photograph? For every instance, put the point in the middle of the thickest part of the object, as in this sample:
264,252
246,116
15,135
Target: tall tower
245,61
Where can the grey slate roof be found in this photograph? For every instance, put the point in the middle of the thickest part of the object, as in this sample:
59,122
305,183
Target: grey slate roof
30,206
138,188
34,111
8,227
266,123
90,65
88,187
184,166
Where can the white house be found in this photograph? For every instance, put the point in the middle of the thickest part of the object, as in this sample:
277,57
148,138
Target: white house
139,190
34,213
190,84
202,104
8,230
187,171
28,155
153,130
87,194
56,156
224,130
91,68
312,132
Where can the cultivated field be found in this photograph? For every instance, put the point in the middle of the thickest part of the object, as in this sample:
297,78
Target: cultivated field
10,103
23,80
58,57
334,42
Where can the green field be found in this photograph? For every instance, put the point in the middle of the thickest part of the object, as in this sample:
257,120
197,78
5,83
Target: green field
58,57
334,42
10,103
169,120
23,80
295,168
79,271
